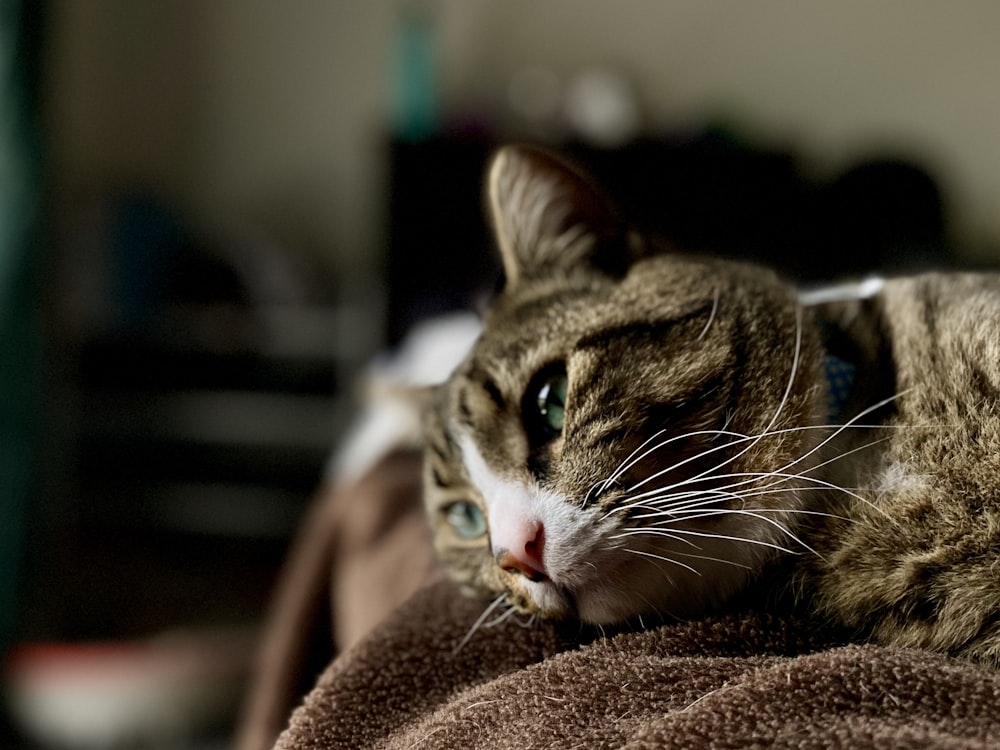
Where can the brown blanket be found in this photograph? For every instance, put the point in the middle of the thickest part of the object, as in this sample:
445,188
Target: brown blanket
749,679
739,681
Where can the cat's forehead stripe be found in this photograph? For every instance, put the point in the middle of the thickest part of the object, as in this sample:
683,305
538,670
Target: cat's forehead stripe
544,302
479,374
464,410
439,480
440,443
653,330
493,391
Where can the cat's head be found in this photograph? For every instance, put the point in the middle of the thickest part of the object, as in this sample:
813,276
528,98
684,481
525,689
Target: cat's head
621,439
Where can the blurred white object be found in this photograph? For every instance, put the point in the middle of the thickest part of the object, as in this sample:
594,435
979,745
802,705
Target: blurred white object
154,693
602,108
393,386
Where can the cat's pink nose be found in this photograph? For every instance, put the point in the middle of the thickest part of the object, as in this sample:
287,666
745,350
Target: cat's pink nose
525,555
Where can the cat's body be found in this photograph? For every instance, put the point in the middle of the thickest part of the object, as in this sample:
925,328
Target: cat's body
641,434
918,563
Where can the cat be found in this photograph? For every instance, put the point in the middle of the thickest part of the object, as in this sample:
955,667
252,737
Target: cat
639,433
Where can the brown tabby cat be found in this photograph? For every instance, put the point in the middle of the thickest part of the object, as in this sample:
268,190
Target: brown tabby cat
641,434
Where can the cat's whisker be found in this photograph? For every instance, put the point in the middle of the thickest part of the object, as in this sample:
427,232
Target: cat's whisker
781,405
739,438
656,497
792,373
656,502
711,315
627,463
670,511
697,500
650,531
595,490
633,458
500,618
709,558
846,425
782,476
664,495
705,474
664,534
784,399
693,556
785,396
632,489
659,610
711,535
479,623
819,484
713,513
705,509
805,473
750,477
668,519
756,493
842,455
527,623
783,529
664,559
709,473
808,482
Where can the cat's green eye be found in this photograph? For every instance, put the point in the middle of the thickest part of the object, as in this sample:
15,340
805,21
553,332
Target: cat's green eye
466,519
551,400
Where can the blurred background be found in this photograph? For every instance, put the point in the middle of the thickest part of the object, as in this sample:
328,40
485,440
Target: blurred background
214,212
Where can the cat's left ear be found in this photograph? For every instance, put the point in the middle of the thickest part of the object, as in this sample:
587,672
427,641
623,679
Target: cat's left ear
550,218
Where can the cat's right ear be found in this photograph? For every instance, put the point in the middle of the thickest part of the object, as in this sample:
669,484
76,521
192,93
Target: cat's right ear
550,218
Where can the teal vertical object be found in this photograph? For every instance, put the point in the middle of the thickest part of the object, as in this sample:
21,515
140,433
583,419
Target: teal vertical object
20,338
415,77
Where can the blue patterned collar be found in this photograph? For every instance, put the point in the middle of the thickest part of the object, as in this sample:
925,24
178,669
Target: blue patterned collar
840,382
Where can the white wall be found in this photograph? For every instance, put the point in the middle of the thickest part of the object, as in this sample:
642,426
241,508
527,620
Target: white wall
276,111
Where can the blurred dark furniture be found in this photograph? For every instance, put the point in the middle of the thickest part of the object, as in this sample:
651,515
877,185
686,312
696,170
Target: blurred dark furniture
705,191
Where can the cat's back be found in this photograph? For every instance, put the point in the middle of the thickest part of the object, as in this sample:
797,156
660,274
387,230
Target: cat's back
942,335
932,317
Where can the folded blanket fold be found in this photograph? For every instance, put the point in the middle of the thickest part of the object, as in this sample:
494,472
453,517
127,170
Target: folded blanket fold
748,679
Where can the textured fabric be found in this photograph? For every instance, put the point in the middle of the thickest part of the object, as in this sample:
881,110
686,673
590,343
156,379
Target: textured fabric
362,550
741,681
